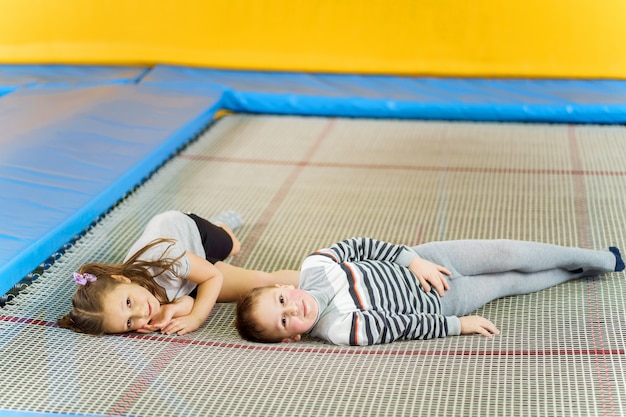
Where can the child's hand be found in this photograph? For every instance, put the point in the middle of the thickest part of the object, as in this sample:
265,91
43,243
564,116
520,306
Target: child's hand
477,324
182,325
167,312
180,307
165,315
428,272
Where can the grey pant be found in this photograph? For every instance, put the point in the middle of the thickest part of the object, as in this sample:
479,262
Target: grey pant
483,270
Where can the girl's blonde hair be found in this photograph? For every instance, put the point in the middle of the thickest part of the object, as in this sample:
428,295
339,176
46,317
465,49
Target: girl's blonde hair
87,315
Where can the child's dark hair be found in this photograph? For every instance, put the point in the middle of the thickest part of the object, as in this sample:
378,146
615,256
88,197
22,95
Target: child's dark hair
245,320
86,315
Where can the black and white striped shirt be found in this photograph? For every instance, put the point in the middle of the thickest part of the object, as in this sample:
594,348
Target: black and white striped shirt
367,295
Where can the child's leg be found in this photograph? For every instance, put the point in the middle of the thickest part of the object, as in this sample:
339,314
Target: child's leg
230,218
483,270
477,257
467,293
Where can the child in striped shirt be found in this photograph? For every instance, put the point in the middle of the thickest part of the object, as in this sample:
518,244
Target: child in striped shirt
363,291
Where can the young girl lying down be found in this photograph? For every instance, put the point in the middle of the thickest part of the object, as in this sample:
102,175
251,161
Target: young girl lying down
170,280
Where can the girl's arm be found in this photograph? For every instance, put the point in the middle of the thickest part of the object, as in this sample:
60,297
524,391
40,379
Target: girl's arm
209,280
239,281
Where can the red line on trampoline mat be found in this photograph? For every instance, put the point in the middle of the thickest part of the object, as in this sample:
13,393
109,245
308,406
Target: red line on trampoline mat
419,234
335,349
582,219
360,351
569,172
144,380
279,197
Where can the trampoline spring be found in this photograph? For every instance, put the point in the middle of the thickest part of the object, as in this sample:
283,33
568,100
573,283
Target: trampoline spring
6,298
32,276
20,286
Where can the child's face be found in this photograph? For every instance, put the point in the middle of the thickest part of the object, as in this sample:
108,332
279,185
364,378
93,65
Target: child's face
285,312
129,307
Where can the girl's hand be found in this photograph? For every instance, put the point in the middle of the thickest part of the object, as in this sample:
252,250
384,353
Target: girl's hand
477,324
428,272
182,325
166,314
186,314
180,307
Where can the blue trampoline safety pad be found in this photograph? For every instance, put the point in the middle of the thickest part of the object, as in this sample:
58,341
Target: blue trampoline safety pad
373,96
69,153
16,76
76,139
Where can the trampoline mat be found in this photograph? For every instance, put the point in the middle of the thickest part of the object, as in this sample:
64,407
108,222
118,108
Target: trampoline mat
304,183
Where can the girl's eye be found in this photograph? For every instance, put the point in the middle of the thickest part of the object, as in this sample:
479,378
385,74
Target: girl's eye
283,320
281,299
128,302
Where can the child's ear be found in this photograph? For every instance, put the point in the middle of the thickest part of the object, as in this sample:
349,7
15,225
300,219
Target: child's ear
291,339
120,278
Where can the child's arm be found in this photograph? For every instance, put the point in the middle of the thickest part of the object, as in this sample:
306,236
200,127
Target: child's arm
372,327
209,280
357,249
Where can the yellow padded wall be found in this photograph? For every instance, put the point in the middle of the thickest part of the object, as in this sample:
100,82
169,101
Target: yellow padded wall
530,38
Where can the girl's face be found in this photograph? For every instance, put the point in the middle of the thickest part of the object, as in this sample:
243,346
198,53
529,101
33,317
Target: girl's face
129,307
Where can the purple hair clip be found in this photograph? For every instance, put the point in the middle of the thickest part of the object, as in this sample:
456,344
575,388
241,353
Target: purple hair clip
82,279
